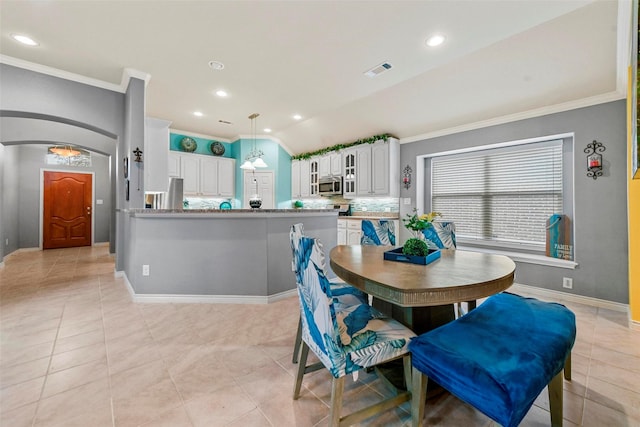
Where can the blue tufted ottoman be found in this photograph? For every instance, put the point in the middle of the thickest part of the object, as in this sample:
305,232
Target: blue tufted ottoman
498,358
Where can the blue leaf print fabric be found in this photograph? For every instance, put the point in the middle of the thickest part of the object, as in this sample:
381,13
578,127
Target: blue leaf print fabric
348,338
378,232
441,235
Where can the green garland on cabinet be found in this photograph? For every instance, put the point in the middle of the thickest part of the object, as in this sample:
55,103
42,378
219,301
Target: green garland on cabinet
338,147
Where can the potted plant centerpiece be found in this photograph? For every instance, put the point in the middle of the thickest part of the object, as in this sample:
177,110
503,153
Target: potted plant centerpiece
415,249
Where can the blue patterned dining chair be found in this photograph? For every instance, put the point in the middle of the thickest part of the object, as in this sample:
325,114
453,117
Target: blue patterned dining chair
378,232
345,341
344,295
441,235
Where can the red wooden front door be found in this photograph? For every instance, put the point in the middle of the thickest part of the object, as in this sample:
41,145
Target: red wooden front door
67,210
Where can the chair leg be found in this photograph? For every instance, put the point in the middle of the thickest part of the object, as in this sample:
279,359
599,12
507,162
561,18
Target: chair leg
418,396
296,345
337,389
567,368
406,364
555,400
301,369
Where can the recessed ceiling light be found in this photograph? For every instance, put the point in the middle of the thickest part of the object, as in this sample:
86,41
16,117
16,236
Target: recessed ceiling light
221,93
435,40
216,65
267,130
198,114
24,39
297,117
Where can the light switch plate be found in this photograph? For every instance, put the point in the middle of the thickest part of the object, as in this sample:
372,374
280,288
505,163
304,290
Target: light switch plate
407,200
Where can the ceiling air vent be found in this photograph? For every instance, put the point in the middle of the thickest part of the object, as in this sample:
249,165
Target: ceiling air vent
226,122
378,69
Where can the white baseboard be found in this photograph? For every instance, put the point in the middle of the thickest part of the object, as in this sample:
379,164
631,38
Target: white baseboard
634,325
564,296
204,299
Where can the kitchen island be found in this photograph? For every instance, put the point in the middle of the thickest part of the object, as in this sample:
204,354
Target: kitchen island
239,255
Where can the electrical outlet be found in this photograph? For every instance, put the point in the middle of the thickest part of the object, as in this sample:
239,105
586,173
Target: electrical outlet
407,200
145,270
387,209
364,209
567,282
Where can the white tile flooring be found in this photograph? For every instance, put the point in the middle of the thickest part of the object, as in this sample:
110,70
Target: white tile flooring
76,351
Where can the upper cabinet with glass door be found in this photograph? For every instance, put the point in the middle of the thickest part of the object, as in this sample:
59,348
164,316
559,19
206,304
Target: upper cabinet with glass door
372,170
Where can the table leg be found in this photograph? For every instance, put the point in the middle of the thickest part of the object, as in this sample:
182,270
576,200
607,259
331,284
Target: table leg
418,319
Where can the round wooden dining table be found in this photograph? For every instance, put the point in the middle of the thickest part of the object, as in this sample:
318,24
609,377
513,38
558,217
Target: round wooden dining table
422,296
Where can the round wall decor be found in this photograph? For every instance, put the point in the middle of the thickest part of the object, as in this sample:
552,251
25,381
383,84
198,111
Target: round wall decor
217,148
188,144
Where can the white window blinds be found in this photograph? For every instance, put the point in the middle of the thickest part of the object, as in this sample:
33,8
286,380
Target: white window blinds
500,195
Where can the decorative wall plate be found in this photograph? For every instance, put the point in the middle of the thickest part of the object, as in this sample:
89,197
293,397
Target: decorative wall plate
188,144
217,148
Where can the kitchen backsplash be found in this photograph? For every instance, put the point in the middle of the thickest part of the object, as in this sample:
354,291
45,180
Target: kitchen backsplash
357,205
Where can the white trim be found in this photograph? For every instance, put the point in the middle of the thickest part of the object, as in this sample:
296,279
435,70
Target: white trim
525,257
624,43
538,112
41,209
634,324
205,299
127,74
199,135
579,299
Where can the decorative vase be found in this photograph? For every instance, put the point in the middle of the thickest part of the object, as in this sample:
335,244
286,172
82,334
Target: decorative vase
255,201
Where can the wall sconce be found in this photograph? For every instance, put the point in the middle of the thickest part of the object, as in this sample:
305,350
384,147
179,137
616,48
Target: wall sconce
138,153
406,177
594,159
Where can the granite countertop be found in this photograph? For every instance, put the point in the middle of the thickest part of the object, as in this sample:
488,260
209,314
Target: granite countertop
373,215
210,213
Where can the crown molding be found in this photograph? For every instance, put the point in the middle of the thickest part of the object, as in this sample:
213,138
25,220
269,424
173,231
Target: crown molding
543,111
127,74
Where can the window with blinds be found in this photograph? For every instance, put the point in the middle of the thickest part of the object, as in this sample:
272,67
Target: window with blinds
500,195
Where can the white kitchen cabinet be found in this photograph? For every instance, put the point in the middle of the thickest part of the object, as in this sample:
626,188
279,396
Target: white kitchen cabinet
350,231
342,232
156,154
354,232
314,177
300,179
349,176
331,165
206,175
174,164
372,170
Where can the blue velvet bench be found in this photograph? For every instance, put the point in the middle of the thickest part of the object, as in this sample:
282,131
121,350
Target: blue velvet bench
497,358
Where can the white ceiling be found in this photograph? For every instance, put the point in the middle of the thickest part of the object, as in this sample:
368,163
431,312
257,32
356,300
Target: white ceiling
500,58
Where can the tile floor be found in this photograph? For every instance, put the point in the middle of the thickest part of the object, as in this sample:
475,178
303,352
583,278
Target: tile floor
76,351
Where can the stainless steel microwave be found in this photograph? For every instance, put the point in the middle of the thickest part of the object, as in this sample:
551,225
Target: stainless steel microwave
330,186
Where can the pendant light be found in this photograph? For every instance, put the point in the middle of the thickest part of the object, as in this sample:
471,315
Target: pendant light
64,151
254,159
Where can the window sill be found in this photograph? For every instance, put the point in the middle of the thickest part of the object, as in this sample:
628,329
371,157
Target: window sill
526,258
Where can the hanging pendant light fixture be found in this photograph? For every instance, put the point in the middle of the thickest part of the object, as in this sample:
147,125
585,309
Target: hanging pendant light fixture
64,151
254,159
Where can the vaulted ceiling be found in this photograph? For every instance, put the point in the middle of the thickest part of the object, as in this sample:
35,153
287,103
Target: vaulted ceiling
499,59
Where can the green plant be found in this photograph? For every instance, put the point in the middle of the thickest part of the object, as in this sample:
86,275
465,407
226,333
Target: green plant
416,223
338,147
415,247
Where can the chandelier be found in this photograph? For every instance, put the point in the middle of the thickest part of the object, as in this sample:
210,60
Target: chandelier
254,159
64,151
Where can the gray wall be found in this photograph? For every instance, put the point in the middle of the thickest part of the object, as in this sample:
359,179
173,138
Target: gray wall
600,214
31,160
9,200
245,254
31,95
